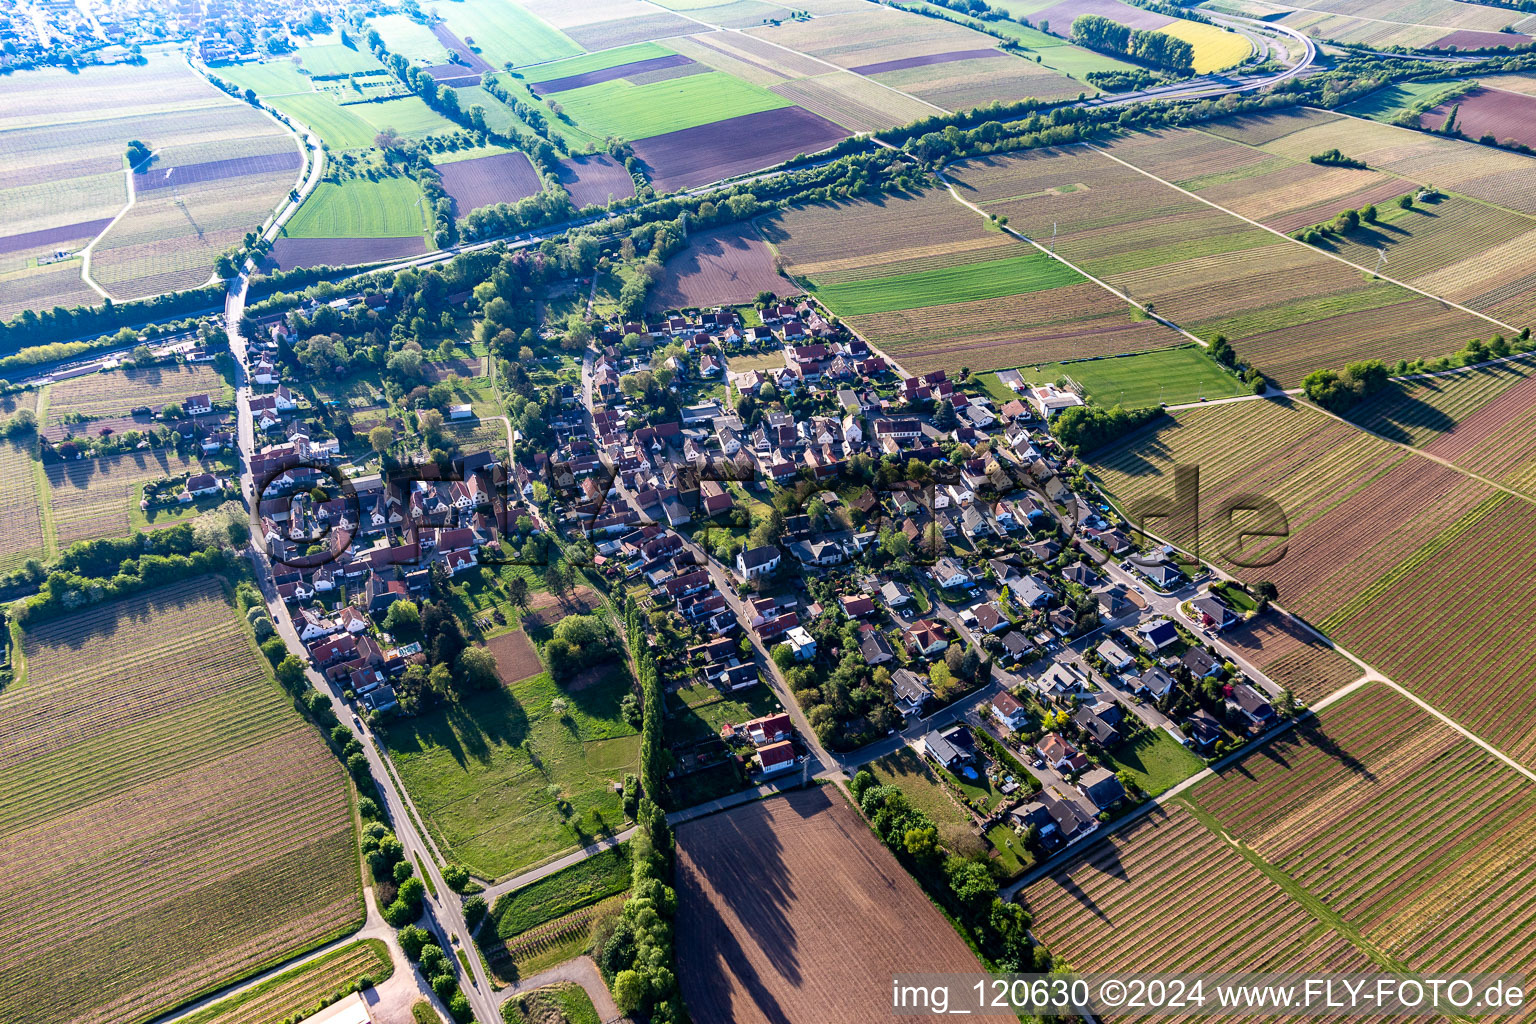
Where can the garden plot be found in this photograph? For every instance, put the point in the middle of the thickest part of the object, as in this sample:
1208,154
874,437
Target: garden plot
160,700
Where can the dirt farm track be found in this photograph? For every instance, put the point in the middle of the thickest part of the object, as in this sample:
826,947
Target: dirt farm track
790,910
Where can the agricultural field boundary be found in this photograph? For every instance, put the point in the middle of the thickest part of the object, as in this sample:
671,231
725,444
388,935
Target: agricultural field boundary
89,250
1279,234
1151,314
797,53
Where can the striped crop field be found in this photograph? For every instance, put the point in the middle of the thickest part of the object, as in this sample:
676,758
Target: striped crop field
1492,175
1499,440
1158,897
1306,462
1285,651
1380,544
1419,840
20,506
119,392
91,498
929,282
1287,307
1420,410
1456,623
301,989
160,701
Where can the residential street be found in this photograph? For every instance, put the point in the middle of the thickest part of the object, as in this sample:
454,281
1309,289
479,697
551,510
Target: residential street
443,914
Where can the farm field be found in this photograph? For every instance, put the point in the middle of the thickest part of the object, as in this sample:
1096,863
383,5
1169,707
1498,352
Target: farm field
161,700
92,498
639,112
805,867
1421,410
1372,532
1470,252
1352,808
486,800
1216,49
606,24
505,32
1380,23
1172,375
1101,910
588,68
859,249
359,208
119,392
1492,175
906,769
483,181
64,180
409,38
974,78
722,266
340,128
1488,112
333,59
596,180
722,149
1284,306
289,253
21,503
301,989
1284,650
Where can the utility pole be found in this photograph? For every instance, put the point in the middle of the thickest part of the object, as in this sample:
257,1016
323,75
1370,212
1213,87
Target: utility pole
1381,259
1053,238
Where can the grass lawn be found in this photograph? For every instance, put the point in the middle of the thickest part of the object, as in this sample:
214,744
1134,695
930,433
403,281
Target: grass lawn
756,361
636,112
272,78
505,32
499,117
503,782
1157,760
1012,856
336,59
1393,100
359,208
907,770
699,711
1240,600
600,61
338,127
581,884
1171,375
408,115
567,1002
1015,275
409,38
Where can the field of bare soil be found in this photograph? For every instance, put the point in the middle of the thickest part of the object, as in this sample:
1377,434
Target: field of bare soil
789,909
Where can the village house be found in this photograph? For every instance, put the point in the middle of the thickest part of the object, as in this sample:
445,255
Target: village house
1010,710
911,691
